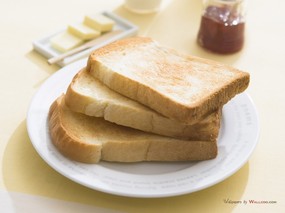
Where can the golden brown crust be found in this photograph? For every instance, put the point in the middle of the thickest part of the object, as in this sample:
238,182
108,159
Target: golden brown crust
184,151
143,118
185,89
89,140
64,140
77,102
159,150
122,45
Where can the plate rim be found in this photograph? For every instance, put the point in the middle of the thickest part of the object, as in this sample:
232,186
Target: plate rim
156,194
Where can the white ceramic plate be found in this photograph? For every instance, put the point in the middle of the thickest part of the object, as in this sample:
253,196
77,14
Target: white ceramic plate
237,140
43,46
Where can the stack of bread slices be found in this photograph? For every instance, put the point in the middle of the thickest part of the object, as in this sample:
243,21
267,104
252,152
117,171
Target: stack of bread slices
137,100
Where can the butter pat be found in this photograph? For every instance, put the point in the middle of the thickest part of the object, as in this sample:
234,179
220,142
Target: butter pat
99,22
83,31
65,41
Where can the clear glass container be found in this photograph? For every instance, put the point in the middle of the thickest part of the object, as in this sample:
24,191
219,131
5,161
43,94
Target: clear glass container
143,6
222,26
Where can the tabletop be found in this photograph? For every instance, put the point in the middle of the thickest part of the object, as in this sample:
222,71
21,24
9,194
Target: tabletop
29,184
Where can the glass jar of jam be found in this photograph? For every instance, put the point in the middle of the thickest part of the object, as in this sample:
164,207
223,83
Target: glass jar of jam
222,26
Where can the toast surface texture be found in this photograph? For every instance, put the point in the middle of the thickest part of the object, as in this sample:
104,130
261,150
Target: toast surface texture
89,139
182,87
89,96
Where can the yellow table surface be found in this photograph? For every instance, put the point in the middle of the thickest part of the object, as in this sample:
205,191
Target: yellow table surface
23,173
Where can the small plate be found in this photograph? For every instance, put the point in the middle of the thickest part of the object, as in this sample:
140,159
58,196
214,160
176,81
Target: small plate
43,45
237,140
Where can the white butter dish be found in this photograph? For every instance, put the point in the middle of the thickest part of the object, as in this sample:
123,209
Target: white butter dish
127,29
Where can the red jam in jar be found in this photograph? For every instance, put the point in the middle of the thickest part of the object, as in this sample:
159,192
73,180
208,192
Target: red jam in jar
221,30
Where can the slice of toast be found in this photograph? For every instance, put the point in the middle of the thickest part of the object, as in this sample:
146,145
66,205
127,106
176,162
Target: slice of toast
89,139
182,87
89,96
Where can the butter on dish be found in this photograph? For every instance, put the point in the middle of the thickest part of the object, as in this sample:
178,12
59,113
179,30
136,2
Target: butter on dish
76,34
65,41
99,22
83,31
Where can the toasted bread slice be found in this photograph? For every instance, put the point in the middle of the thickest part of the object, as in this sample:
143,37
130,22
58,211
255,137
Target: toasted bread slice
89,139
88,95
182,87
